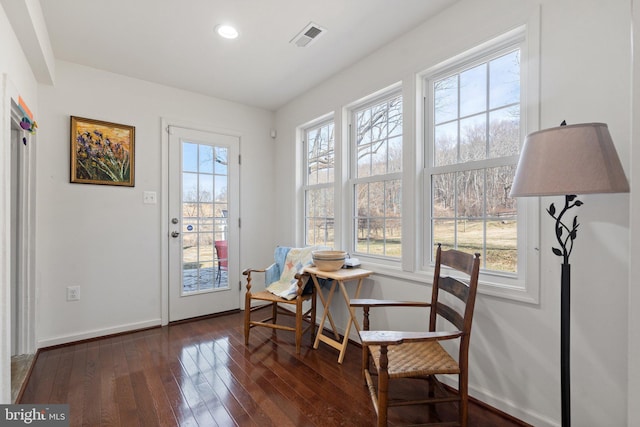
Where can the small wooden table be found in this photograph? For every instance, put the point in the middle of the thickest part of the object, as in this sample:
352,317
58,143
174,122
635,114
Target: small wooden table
339,277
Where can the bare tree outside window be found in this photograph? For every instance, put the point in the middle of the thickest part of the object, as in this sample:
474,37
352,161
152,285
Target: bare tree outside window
319,184
377,177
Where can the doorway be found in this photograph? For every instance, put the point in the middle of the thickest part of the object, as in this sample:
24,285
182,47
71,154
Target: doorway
203,225
22,244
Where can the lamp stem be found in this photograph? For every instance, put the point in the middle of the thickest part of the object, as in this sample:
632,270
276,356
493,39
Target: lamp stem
565,304
565,235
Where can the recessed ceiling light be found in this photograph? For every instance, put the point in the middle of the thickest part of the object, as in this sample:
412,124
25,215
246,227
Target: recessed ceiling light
227,31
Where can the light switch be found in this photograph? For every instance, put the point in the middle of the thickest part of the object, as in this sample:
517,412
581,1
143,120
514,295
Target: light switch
149,197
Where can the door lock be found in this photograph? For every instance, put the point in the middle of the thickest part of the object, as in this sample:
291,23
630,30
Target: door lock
175,234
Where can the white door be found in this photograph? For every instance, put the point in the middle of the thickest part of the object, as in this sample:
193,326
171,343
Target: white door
203,223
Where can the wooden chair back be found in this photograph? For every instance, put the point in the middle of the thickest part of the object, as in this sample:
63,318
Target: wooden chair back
461,284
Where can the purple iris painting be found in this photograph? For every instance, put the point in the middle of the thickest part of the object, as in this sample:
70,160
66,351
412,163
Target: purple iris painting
102,153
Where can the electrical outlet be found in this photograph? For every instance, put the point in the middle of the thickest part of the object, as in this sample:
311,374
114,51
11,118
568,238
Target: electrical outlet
73,293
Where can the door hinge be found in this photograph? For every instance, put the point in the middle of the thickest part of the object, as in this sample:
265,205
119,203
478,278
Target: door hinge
239,285
239,159
239,223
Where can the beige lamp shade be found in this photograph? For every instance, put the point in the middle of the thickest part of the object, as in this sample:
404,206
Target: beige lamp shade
573,159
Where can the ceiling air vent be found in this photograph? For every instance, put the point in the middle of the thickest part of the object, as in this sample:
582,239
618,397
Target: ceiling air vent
308,34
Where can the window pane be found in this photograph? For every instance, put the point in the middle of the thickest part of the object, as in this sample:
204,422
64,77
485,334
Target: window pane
393,199
221,227
319,216
376,201
395,118
189,221
362,200
364,162
502,245
320,152
504,132
379,122
362,235
379,138
393,238
470,235
221,193
310,232
445,99
378,220
205,188
189,157
499,181
189,187
446,144
395,155
470,194
443,232
473,90
206,221
443,194
205,158
221,161
473,138
504,82
379,158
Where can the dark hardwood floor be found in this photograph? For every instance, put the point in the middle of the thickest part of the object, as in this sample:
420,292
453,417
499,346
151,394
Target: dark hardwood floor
200,373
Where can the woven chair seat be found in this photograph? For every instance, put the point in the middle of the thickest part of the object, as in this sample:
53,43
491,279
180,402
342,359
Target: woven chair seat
416,359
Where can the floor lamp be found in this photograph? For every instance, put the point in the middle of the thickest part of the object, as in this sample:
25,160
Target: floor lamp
568,160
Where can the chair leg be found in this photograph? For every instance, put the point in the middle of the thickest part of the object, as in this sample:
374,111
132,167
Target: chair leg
274,313
247,317
365,362
298,323
464,398
431,380
383,387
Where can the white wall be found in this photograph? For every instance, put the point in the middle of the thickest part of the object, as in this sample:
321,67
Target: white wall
584,76
16,78
103,238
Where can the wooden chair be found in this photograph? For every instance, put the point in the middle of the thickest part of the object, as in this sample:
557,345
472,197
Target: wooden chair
397,354
300,293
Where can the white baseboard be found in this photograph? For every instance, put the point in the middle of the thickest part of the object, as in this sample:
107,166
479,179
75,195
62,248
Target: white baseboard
503,405
95,333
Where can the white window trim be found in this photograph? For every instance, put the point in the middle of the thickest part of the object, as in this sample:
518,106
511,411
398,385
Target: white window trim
526,286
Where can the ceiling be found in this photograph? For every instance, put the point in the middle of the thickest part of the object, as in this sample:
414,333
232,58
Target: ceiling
172,42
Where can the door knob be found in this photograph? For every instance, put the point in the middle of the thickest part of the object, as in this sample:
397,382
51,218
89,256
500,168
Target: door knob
175,234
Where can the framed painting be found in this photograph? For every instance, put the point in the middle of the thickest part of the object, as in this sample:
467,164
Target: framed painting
102,152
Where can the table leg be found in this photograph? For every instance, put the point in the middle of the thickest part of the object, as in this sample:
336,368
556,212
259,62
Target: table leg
326,313
352,317
325,304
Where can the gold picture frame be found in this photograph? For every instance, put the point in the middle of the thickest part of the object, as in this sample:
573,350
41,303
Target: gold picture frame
102,152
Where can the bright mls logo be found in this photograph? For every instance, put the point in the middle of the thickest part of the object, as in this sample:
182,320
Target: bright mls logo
34,415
